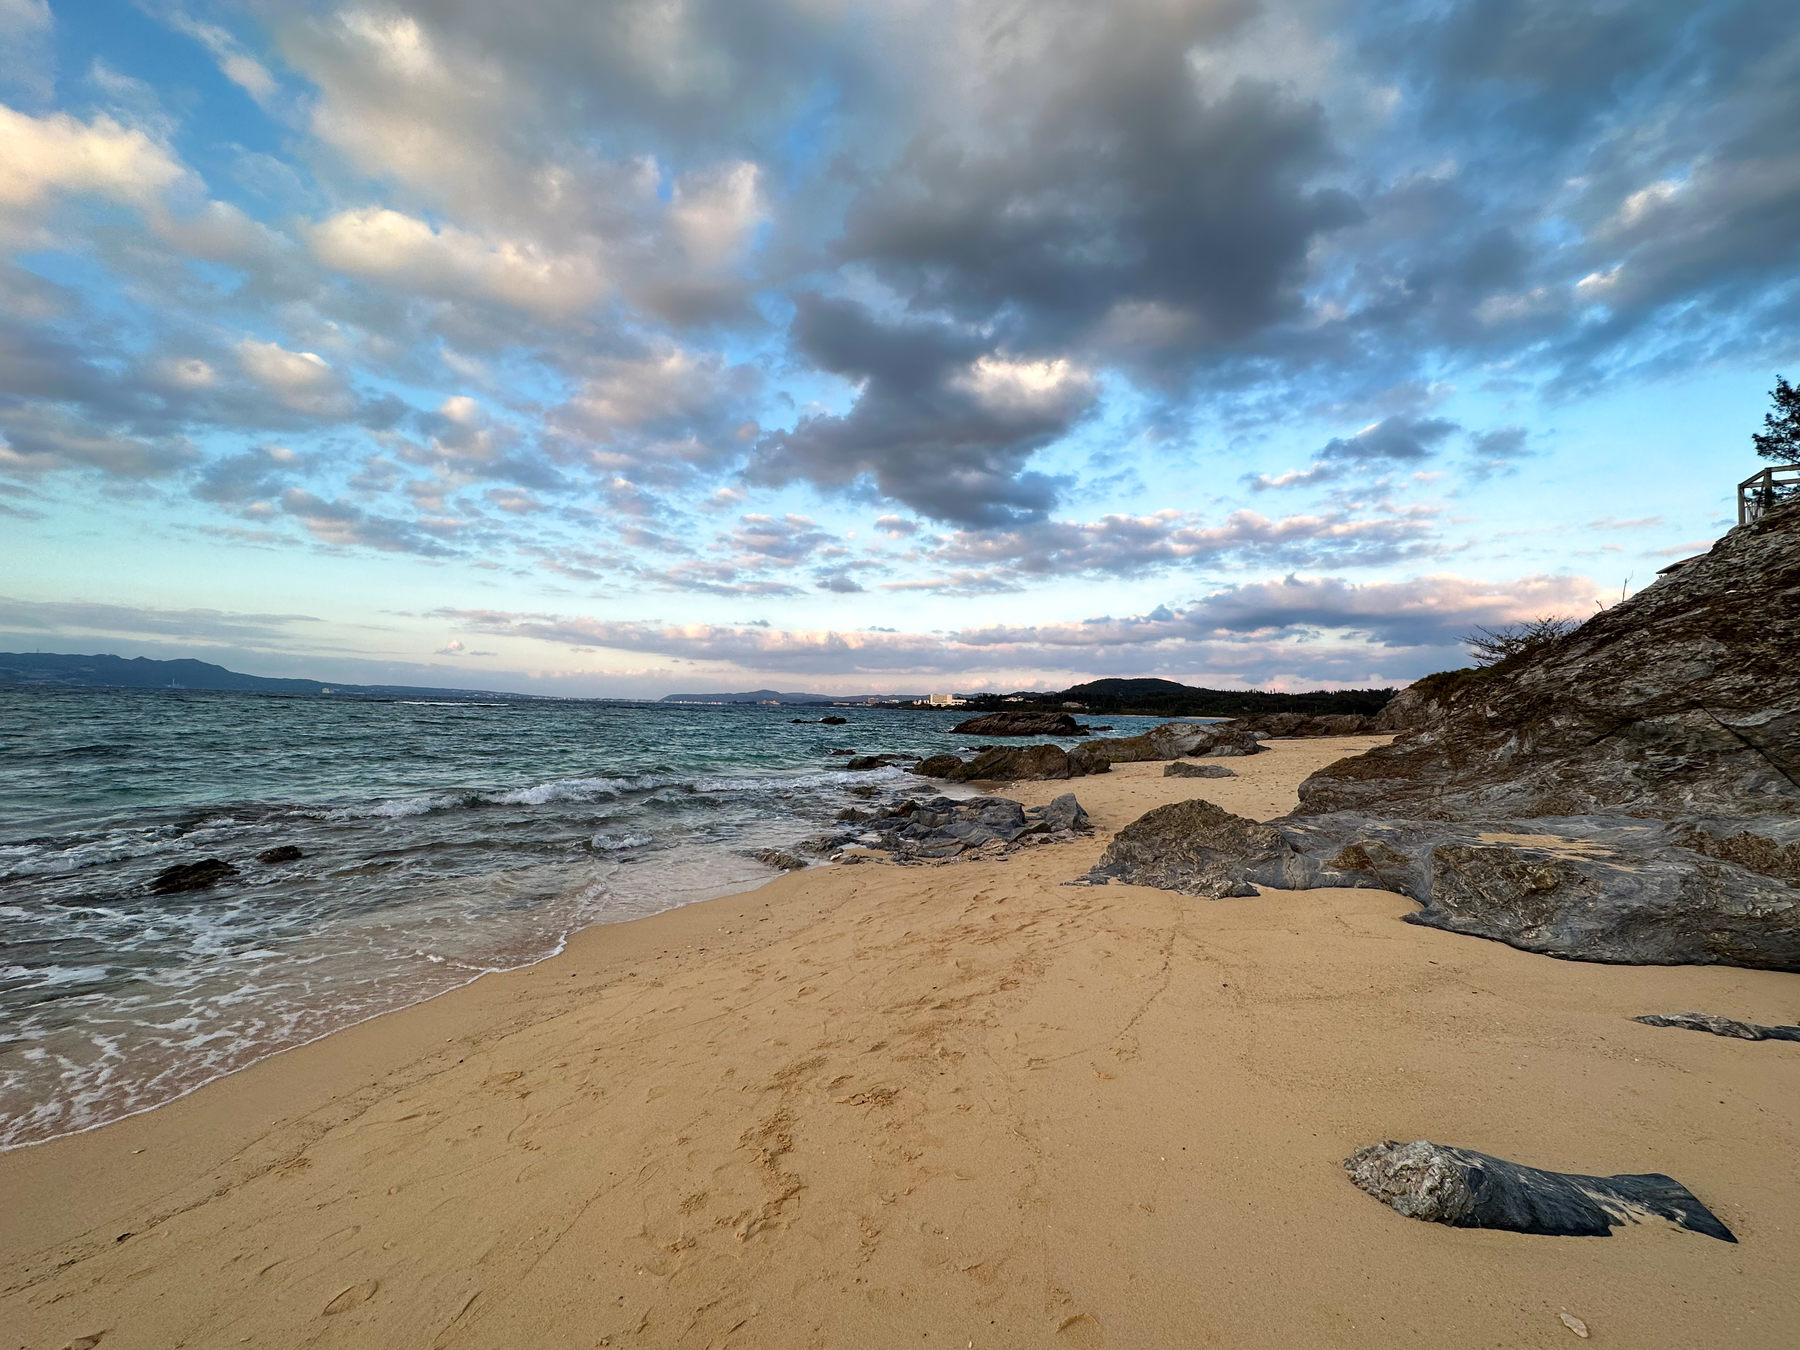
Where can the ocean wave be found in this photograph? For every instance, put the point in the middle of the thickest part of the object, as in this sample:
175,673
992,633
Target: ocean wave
613,843
563,790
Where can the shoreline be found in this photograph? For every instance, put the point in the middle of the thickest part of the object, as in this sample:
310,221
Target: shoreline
906,1104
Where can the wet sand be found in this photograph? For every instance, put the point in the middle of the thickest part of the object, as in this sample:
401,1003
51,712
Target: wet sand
955,1105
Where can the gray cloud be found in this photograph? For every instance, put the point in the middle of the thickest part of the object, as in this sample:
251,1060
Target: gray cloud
940,422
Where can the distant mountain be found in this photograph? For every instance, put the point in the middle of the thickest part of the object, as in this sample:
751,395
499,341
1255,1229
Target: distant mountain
139,672
754,696
1167,698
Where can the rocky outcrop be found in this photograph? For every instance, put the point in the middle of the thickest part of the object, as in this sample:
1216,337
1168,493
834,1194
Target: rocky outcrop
1683,699
1465,1189
1174,740
1626,793
777,858
1012,764
1181,769
943,827
194,876
1602,889
1286,725
1720,1026
1020,724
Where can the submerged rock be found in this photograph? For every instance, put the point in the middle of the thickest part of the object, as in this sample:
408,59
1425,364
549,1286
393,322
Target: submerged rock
1720,1026
778,858
1465,1189
284,853
1179,769
194,876
1020,724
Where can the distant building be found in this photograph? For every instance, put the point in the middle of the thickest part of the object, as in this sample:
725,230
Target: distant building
944,701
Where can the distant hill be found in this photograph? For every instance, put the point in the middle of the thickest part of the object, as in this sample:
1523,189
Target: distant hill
140,672
1167,698
753,696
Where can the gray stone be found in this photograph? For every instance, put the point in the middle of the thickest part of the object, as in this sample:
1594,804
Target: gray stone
194,876
1020,724
1063,813
1720,1026
1179,769
1465,1189
779,858
1172,740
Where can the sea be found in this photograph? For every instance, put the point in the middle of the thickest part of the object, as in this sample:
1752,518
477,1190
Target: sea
440,841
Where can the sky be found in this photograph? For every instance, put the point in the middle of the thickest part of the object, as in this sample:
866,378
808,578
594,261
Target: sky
593,348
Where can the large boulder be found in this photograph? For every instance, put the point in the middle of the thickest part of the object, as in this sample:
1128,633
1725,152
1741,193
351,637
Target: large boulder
1012,764
1628,793
1020,724
1173,740
193,876
942,827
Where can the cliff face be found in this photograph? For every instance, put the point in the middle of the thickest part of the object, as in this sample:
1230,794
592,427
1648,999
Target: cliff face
1684,699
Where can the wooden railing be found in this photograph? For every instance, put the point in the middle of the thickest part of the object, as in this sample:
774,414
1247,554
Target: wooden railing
1760,491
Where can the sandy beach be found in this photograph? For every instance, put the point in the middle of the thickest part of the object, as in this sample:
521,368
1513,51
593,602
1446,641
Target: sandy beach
946,1105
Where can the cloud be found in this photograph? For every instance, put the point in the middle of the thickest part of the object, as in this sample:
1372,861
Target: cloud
303,381
939,423
1336,629
1393,442
42,158
78,617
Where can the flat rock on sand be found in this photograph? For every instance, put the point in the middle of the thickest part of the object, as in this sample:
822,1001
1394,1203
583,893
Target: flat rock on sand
890,1106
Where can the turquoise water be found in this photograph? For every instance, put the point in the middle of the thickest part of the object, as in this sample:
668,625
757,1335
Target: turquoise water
440,840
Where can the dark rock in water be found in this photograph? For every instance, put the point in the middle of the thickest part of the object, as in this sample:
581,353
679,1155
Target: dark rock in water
284,854
1020,724
840,752
1465,1189
865,791
194,876
1720,1026
938,766
1013,764
1179,769
852,815
774,857
863,763
833,721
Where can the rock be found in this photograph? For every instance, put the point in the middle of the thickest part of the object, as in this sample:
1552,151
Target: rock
1019,724
1171,740
833,721
194,876
1720,1026
938,766
774,857
1010,763
852,815
1627,793
840,752
285,853
864,763
1178,769
1574,1324
943,827
1196,848
1465,1189
1063,813
1683,699
1291,724
1418,705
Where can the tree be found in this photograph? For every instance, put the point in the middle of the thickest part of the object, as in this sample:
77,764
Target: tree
1490,646
1780,438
